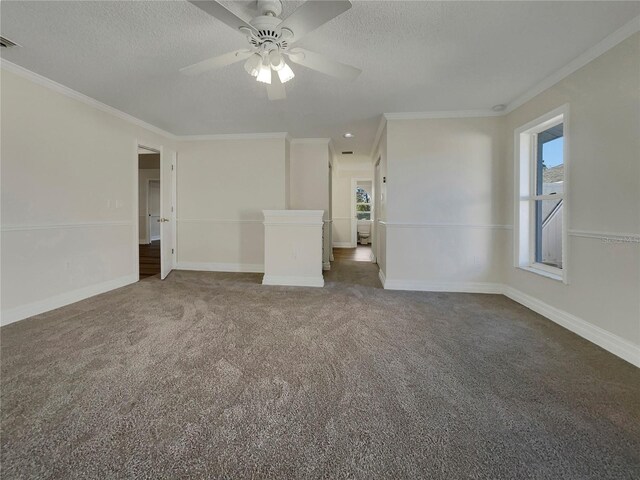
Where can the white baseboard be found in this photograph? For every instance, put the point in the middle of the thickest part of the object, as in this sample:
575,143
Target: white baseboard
221,267
344,245
610,342
153,239
454,287
25,311
326,266
382,278
143,241
292,281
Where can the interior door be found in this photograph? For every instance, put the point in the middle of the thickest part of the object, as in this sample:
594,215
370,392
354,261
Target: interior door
167,212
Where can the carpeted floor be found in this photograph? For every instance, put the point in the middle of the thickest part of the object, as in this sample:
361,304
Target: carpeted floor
210,375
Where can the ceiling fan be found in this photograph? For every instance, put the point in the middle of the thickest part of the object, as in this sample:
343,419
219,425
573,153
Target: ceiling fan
271,40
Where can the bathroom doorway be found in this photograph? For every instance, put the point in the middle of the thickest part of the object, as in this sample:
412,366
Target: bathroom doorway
362,220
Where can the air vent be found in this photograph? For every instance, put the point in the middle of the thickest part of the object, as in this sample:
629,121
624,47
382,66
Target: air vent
348,153
6,43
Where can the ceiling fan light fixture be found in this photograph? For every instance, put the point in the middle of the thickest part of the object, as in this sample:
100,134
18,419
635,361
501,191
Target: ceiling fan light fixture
276,60
285,73
264,75
253,64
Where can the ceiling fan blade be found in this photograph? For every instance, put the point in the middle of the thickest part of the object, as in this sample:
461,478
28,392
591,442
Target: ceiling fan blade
216,62
322,64
223,14
312,14
275,91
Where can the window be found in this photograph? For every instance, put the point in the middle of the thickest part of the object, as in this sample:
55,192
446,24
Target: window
363,204
541,148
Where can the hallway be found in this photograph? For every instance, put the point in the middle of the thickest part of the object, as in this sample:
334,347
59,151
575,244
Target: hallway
352,266
362,253
149,259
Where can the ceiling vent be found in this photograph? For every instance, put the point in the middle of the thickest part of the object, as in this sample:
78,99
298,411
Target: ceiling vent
6,43
348,153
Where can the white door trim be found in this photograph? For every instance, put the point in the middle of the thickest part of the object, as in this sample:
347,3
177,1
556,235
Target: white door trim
136,198
149,237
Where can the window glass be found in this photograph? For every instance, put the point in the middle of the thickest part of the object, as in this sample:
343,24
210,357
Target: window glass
548,225
550,161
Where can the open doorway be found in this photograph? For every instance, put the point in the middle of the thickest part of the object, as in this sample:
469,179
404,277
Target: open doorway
149,212
362,213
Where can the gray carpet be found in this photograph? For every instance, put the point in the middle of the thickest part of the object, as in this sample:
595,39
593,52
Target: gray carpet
210,375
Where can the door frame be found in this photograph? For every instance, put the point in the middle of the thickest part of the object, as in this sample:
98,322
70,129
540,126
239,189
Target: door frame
354,220
136,196
149,180
377,188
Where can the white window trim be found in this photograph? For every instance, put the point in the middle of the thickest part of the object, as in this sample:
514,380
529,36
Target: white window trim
524,169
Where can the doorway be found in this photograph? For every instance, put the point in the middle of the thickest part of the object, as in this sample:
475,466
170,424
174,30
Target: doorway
149,248
362,212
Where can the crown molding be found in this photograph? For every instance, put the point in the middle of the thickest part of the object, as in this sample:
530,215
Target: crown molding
233,136
588,56
441,114
68,92
312,141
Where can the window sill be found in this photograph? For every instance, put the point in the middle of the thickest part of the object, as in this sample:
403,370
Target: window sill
543,273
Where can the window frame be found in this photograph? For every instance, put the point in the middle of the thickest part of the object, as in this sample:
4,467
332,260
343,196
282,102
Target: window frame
370,203
526,154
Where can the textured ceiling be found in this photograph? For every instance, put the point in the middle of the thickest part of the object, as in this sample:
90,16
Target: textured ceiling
415,56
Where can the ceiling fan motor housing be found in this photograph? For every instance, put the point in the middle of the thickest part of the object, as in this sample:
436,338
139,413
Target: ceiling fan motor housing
269,36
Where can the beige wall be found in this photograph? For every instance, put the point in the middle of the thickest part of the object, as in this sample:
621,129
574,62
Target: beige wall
445,222
309,178
222,188
309,182
604,142
69,209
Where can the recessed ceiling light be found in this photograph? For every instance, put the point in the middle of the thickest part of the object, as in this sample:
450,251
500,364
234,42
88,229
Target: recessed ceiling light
499,108
348,135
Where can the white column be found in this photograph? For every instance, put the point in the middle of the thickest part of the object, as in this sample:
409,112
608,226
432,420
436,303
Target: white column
293,247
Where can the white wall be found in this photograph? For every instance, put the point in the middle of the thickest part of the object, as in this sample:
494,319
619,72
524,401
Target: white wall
144,175
69,208
309,181
445,223
604,142
222,188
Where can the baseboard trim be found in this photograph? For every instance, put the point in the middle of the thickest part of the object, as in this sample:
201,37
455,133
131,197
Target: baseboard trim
453,287
221,267
293,281
614,344
609,341
383,278
343,245
326,266
36,308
